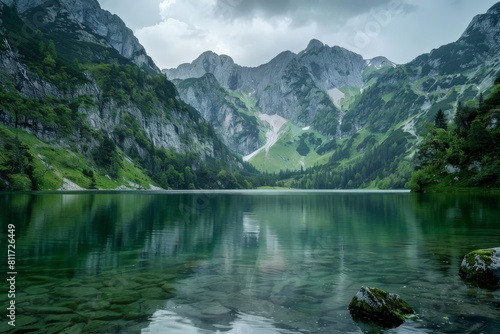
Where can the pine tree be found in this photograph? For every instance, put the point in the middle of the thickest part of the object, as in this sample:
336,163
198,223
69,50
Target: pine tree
440,120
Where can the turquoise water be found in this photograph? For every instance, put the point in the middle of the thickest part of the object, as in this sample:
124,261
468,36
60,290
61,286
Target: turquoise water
244,262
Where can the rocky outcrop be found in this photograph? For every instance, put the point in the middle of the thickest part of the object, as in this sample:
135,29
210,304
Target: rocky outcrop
484,28
482,267
90,17
293,86
231,118
332,67
476,47
177,129
329,67
378,306
379,63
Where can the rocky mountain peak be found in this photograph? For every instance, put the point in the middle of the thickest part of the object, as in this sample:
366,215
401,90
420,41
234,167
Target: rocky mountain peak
494,10
207,62
380,62
210,61
484,28
315,44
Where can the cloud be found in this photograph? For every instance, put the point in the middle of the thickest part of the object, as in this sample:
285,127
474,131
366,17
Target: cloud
136,14
252,32
323,12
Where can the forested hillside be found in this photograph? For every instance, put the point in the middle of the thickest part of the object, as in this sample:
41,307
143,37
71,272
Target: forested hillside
348,122
463,153
78,112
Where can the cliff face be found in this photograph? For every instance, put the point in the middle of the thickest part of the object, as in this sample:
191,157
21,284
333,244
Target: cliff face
81,80
89,19
232,119
299,87
176,130
329,67
368,113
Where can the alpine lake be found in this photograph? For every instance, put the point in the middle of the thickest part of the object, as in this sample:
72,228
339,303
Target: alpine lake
242,262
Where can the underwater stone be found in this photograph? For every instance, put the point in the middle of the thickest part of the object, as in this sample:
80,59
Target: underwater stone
57,327
77,328
168,288
98,326
60,318
36,290
77,292
101,315
48,310
215,309
378,306
120,295
26,321
94,305
482,267
152,293
70,284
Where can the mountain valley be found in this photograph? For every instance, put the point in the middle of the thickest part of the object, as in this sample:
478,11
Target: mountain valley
341,108
84,107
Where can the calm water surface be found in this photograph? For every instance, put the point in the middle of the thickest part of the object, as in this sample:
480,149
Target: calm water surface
244,262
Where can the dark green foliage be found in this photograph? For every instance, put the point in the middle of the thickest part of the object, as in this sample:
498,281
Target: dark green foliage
378,162
106,156
127,83
466,155
53,51
303,149
16,165
58,116
440,120
327,147
40,52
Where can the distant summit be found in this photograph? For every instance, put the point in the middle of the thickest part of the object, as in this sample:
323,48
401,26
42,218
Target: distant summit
354,121
314,43
380,62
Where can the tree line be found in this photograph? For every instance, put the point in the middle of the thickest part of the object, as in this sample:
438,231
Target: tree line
462,152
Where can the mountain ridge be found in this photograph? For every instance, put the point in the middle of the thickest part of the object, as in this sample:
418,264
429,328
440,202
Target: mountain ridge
82,104
308,81
90,14
358,105
78,110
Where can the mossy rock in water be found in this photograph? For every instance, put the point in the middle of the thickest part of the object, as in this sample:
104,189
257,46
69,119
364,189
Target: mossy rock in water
380,307
482,267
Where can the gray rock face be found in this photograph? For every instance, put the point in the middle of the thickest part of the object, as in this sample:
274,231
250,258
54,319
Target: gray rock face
175,130
207,62
102,23
294,86
332,67
478,46
329,67
238,130
485,26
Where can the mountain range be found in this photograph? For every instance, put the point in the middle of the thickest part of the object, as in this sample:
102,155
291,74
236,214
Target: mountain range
82,105
338,104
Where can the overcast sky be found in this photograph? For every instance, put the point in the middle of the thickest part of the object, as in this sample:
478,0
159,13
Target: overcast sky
252,32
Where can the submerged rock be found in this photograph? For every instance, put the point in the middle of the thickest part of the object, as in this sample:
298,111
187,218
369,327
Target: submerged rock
482,267
378,306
